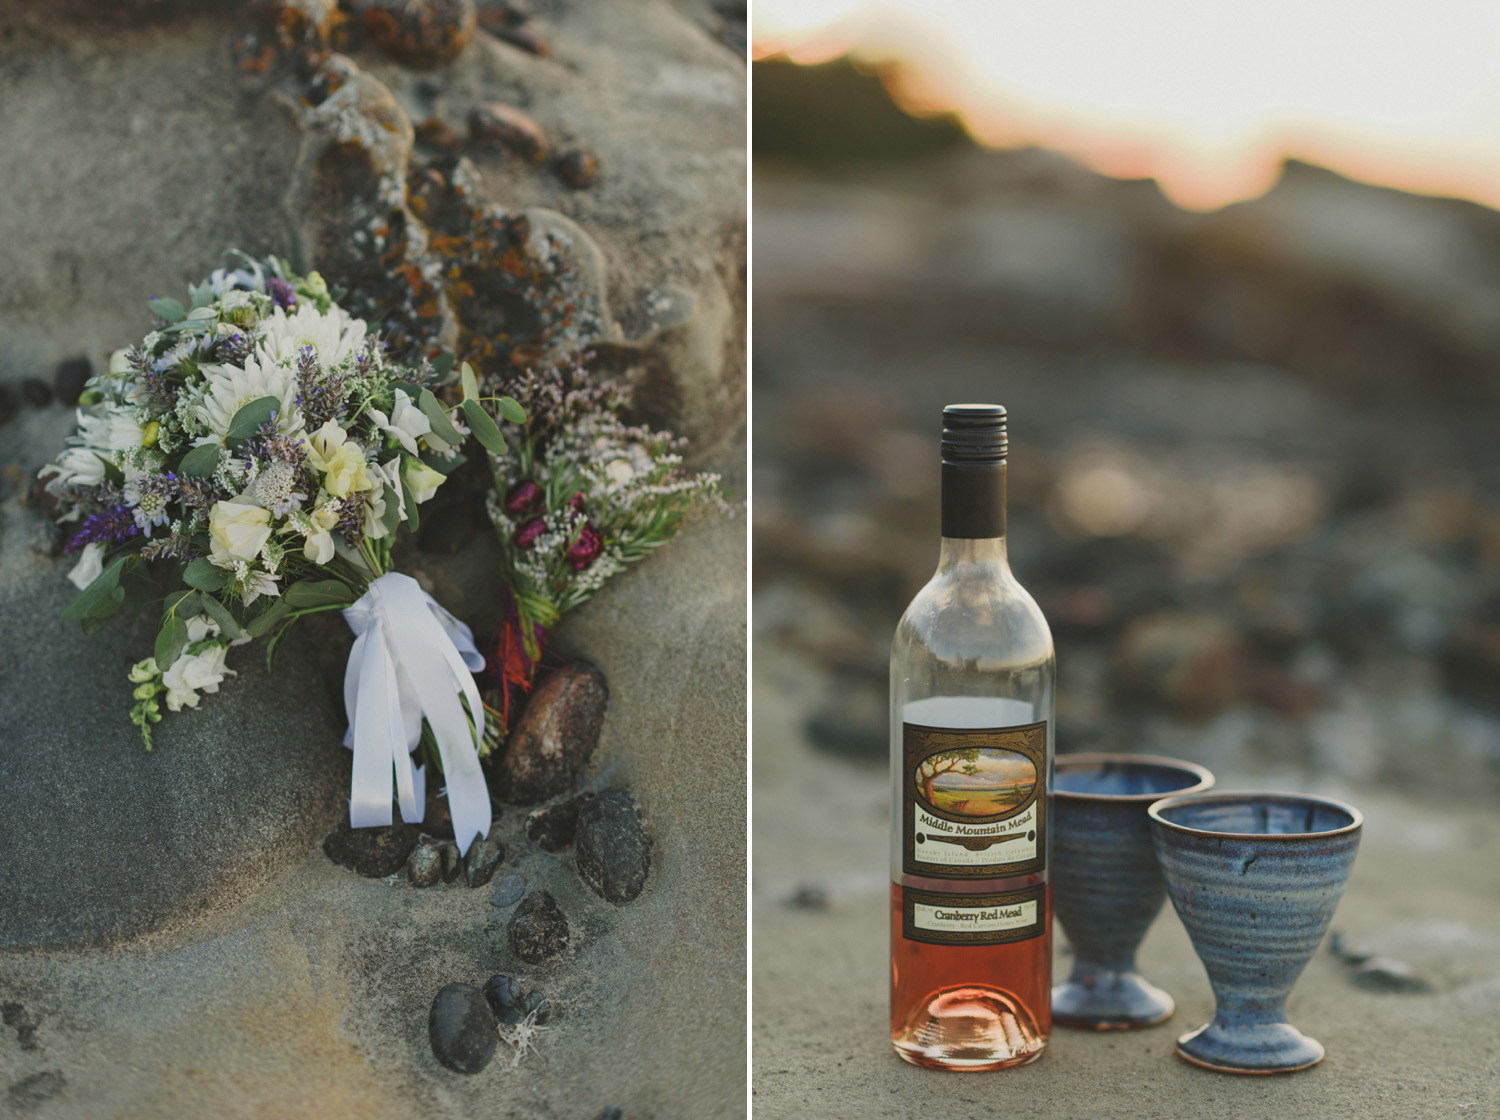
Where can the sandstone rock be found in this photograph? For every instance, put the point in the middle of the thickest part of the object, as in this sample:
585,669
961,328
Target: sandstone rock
555,737
421,33
614,852
578,167
494,123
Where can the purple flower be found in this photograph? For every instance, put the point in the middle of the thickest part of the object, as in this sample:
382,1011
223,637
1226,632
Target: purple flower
521,497
584,550
525,537
282,294
112,525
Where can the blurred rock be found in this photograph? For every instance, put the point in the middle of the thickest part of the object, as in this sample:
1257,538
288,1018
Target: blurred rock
69,379
1189,662
1386,974
855,723
494,123
372,852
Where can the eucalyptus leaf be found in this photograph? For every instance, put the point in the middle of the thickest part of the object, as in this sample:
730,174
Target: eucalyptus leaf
442,427
92,626
261,624
203,574
412,517
442,366
220,614
184,604
511,409
469,381
484,428
167,309
321,593
444,464
392,516
251,417
170,640
104,583
200,461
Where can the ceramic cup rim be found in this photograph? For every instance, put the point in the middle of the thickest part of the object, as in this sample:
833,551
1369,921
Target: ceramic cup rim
1357,819
1204,783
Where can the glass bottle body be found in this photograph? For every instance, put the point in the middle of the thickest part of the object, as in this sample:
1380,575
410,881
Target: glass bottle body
972,652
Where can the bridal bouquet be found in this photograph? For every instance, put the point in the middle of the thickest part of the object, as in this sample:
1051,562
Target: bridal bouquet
578,495
249,463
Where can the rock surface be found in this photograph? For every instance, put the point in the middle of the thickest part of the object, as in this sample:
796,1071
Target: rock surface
424,867
553,828
461,1028
614,852
482,860
538,931
555,737
372,852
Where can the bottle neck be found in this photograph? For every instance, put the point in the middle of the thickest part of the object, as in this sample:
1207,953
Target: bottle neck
974,502
986,552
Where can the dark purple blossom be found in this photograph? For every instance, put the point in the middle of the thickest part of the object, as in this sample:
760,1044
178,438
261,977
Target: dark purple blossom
282,294
111,526
521,497
584,550
321,398
525,537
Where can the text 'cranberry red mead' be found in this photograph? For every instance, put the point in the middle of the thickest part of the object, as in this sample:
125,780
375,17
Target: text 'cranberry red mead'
972,673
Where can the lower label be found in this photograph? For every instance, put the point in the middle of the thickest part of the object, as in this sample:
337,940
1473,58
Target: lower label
973,919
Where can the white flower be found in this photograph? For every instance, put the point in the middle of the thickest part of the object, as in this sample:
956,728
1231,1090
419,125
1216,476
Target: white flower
77,466
194,672
201,627
421,480
258,583
406,422
231,389
374,526
619,471
321,523
340,460
274,488
335,336
89,565
237,531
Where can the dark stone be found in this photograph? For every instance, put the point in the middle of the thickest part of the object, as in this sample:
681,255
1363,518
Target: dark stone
578,168
373,852
462,1029
423,33
10,404
37,1089
435,133
538,931
424,867
494,123
18,1019
69,379
36,392
508,890
809,896
610,1112
1339,946
555,736
552,829
614,852
453,863
482,860
853,725
1386,974
511,1003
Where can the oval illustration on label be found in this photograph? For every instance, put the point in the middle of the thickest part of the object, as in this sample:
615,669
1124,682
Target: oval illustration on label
979,782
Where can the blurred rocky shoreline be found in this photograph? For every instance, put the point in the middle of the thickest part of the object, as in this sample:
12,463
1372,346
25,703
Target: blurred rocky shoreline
1253,474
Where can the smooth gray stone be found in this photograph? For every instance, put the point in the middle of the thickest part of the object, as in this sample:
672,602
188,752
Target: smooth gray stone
103,841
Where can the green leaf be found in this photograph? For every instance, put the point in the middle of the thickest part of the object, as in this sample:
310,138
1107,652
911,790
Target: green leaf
259,625
104,583
92,626
251,417
184,604
511,409
201,461
320,593
442,427
170,640
444,464
411,390
470,382
484,428
203,574
168,310
442,366
220,614
412,519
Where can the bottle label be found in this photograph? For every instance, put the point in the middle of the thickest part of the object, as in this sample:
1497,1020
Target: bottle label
974,801
973,919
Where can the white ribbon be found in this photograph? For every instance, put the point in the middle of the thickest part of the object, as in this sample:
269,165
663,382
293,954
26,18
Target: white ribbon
412,659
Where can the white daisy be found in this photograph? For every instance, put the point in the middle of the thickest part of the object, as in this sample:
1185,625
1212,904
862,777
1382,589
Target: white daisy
335,336
230,389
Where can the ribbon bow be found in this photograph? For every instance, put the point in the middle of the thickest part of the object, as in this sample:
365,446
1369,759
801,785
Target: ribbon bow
412,659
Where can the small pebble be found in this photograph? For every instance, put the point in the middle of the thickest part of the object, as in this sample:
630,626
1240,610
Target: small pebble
538,931
552,829
71,375
1339,946
482,859
423,33
510,1003
610,1112
462,1028
527,36
435,133
424,866
578,167
453,863
372,852
36,392
508,890
809,896
1386,974
10,404
494,123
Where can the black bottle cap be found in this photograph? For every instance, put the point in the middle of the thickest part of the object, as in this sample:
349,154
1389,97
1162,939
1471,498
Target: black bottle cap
974,434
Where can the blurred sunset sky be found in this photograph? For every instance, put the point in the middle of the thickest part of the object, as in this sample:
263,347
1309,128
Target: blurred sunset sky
1207,97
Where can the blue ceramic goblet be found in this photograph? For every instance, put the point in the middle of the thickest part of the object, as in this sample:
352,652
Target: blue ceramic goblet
1255,878
1106,888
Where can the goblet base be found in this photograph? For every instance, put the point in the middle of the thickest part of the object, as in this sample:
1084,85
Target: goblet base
1259,1048
1103,1000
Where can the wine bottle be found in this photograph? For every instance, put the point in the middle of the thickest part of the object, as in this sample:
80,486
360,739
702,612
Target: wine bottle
972,676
